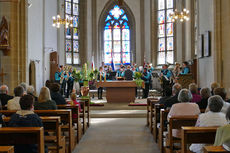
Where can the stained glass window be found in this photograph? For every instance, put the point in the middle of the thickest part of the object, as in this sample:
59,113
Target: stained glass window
117,37
72,34
166,39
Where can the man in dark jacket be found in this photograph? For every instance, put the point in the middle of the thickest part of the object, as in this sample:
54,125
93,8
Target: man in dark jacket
26,118
4,97
174,99
55,94
128,74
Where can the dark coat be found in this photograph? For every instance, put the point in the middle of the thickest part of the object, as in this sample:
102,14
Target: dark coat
170,101
49,105
4,98
57,97
30,120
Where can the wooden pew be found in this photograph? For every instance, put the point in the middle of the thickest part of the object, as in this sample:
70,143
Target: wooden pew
177,123
75,118
87,108
163,119
156,120
6,149
66,119
205,135
149,102
51,124
214,149
23,135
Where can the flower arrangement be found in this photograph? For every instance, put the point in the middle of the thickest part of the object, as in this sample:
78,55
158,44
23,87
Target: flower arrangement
138,80
85,74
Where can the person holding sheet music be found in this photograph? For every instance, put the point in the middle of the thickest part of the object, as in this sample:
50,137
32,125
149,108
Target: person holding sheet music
146,77
100,78
166,76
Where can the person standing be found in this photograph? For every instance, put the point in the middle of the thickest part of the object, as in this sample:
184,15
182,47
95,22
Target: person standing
70,83
185,68
166,76
146,77
128,74
100,78
58,76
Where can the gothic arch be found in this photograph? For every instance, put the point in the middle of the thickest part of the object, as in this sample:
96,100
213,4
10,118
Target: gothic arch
32,74
109,5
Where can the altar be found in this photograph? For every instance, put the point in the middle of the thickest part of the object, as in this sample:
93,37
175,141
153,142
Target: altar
119,91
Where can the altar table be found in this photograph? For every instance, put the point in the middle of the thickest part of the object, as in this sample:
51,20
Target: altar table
119,91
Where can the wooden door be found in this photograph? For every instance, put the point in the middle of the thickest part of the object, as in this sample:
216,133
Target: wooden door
53,64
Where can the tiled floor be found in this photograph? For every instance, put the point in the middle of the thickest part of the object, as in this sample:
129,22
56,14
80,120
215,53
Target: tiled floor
117,135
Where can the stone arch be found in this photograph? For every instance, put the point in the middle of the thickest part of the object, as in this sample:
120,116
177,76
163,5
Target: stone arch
32,74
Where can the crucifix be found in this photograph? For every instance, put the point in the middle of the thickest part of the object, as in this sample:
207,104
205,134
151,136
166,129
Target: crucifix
2,74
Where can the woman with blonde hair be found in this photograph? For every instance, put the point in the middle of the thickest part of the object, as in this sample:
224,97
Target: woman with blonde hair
44,100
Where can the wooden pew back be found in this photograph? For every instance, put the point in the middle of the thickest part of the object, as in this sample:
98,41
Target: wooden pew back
23,135
66,119
197,135
177,123
163,119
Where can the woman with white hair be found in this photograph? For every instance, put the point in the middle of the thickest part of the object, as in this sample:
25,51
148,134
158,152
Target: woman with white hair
214,117
184,108
30,91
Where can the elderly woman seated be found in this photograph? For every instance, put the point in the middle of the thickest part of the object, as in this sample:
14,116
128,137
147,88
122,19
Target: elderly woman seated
205,94
214,117
195,95
184,108
222,93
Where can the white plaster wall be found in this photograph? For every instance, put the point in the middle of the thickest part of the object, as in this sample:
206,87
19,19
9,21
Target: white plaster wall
206,22
42,37
50,36
35,39
147,9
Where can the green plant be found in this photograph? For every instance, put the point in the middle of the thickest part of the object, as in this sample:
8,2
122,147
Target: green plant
137,75
139,82
77,75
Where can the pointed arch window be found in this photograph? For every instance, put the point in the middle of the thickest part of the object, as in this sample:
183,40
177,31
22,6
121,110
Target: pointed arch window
117,37
165,52
72,34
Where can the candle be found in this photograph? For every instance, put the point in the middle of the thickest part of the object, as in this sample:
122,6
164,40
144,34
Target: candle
105,78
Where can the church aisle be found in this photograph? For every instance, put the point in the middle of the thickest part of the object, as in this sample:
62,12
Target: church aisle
117,135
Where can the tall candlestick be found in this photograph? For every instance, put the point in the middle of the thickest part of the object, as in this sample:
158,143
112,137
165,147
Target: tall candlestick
105,78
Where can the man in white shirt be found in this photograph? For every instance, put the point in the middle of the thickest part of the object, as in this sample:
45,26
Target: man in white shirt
13,104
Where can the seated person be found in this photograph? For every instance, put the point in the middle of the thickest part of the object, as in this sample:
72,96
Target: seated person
74,102
214,85
44,100
194,90
205,94
26,118
168,94
212,118
13,104
185,68
222,93
56,95
174,98
2,123
184,108
223,134
30,91
4,97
